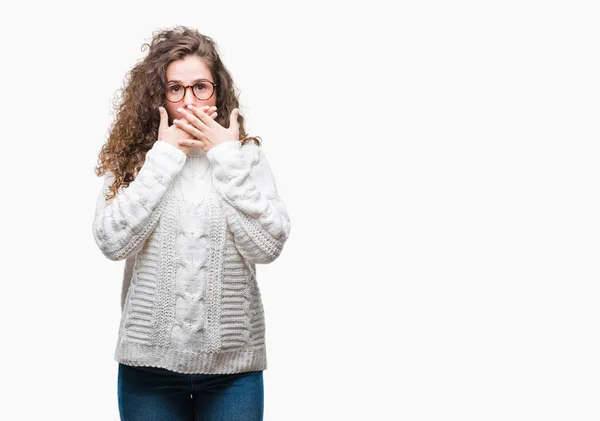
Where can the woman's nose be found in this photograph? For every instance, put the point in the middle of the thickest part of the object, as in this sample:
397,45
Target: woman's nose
189,98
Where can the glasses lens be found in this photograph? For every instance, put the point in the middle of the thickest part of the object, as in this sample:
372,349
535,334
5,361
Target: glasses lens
175,93
203,90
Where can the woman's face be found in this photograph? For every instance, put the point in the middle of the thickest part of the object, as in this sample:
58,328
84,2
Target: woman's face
187,72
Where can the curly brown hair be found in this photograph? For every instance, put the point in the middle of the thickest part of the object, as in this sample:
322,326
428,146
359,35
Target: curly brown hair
135,127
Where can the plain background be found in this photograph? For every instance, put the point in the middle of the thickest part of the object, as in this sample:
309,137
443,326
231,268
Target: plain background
439,161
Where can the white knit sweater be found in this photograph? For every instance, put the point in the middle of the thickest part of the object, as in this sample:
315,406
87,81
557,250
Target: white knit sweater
191,229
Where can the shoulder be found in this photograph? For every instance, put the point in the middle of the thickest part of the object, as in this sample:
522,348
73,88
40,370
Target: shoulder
252,153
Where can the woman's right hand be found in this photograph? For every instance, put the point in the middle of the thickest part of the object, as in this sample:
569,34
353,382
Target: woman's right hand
171,134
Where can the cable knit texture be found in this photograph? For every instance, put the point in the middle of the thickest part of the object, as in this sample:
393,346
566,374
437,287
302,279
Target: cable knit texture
191,229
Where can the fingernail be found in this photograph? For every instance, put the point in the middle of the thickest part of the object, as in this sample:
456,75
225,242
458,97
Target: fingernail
175,121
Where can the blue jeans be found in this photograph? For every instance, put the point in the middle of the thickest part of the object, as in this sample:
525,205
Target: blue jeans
157,394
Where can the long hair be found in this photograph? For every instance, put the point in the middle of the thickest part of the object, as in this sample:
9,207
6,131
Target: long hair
135,128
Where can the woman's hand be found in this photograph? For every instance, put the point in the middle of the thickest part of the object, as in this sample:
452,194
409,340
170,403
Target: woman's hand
173,134
207,133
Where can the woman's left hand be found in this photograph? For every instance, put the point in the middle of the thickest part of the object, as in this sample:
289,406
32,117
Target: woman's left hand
207,132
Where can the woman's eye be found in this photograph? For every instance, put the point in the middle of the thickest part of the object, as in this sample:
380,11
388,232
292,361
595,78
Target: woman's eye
174,88
199,87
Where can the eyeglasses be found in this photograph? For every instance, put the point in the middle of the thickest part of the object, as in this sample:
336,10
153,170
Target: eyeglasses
203,90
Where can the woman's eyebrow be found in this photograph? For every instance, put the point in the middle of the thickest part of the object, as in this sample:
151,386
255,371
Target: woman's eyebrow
197,80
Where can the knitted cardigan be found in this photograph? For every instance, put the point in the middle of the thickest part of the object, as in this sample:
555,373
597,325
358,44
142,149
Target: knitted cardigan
191,229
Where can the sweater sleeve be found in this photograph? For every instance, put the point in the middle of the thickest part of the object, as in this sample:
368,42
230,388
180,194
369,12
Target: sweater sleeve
122,224
255,213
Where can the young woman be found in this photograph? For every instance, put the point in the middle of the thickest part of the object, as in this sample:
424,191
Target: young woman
190,203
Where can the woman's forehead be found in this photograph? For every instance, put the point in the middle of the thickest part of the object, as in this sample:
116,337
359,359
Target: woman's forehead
188,69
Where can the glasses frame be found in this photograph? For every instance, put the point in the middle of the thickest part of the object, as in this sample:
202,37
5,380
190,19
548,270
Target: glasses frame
185,88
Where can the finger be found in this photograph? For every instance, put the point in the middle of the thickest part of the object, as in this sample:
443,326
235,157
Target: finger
204,118
233,119
191,142
192,118
208,110
164,119
211,111
184,125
